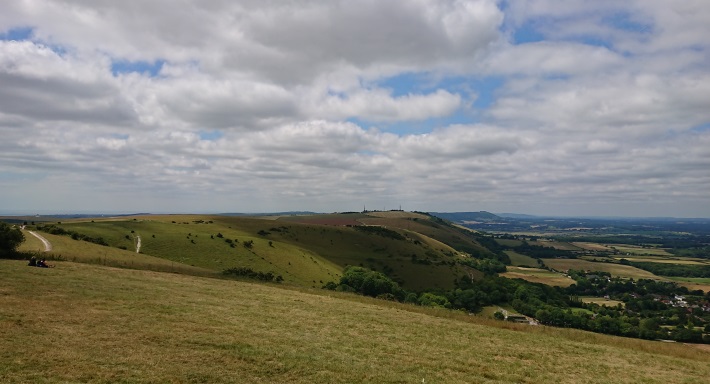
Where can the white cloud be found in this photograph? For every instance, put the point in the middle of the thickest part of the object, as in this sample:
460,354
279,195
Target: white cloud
254,106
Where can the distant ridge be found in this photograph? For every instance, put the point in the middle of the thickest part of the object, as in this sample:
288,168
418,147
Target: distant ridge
467,216
517,216
289,213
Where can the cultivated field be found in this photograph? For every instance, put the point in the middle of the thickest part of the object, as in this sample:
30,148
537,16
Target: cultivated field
614,269
665,260
90,323
537,275
564,246
517,259
602,301
693,283
636,250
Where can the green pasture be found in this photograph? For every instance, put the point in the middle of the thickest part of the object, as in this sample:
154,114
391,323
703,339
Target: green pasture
91,323
517,259
509,242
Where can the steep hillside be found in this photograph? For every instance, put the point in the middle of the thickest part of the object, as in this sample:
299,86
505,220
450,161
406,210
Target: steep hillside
88,323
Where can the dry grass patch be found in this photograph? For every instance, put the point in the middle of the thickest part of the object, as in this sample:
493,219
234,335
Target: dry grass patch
537,275
84,323
614,269
636,250
602,301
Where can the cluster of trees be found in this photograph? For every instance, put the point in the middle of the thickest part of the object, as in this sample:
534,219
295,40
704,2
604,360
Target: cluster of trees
470,295
645,313
540,252
662,269
252,274
10,239
643,316
54,230
487,266
380,231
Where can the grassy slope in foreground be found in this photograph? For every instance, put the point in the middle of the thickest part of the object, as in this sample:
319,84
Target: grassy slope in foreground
91,323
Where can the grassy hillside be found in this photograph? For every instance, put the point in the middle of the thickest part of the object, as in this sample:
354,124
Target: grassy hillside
89,323
304,250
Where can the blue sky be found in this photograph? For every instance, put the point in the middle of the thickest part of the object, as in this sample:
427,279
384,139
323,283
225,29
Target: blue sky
555,108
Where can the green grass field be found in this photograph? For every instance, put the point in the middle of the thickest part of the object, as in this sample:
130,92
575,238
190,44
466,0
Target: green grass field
517,259
90,323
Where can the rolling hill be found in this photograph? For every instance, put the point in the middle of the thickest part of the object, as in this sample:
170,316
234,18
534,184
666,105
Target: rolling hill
416,250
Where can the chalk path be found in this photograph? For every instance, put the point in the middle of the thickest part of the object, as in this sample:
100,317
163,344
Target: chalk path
47,244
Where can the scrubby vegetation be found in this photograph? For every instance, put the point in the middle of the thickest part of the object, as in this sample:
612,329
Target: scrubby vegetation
55,230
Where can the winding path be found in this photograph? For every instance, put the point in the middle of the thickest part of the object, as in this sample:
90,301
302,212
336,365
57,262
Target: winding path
138,243
47,244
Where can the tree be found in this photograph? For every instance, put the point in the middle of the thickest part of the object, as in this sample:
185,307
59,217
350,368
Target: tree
10,239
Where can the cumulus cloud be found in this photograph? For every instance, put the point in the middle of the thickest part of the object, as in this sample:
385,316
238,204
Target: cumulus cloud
541,106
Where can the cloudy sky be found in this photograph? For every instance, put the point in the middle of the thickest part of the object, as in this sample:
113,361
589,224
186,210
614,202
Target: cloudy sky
558,107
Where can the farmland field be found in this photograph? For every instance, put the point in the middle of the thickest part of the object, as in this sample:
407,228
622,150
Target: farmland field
636,250
518,259
561,245
665,260
602,301
693,283
614,269
89,323
537,275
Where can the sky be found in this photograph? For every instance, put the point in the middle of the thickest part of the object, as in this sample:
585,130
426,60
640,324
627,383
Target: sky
546,107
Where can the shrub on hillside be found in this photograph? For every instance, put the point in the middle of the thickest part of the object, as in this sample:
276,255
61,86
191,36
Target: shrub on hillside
10,239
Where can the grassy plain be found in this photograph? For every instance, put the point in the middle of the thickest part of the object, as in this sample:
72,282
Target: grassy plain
537,275
90,323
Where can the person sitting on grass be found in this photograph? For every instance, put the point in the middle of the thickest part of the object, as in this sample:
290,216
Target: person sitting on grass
33,262
43,264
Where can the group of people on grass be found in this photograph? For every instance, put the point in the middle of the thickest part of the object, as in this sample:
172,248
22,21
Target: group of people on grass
42,263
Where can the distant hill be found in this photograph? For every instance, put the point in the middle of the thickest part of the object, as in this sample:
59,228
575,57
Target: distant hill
288,213
460,217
